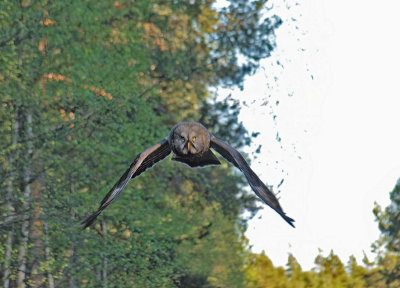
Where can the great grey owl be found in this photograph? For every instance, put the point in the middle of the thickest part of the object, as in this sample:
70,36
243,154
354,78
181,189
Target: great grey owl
190,142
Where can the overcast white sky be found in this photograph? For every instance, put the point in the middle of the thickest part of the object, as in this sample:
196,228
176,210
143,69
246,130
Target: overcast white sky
340,147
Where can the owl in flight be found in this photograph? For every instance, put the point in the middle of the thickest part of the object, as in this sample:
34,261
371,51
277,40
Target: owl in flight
190,142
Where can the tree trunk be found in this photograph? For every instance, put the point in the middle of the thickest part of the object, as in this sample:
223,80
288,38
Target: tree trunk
9,242
47,253
7,259
72,256
10,206
22,251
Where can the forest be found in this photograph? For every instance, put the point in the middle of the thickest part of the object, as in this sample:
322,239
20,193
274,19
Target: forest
85,86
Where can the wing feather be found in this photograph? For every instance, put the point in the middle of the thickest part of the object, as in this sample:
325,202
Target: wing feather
143,161
262,191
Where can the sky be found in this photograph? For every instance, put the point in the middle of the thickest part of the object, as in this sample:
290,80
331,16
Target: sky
328,114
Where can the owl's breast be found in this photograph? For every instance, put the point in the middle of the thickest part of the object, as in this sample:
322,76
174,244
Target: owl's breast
197,160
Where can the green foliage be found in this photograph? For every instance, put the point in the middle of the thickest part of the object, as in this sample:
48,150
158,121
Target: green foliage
389,221
388,246
86,86
358,274
261,272
329,271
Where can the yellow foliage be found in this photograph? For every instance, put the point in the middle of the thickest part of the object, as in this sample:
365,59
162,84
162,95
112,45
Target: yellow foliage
162,10
208,19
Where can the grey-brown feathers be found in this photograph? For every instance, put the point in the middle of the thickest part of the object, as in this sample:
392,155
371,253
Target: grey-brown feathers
190,142
189,138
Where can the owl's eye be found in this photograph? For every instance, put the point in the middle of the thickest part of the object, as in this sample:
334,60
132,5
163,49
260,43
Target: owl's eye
182,139
193,138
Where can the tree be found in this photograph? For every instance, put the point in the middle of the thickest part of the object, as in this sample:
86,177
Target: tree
358,274
389,221
261,273
298,278
388,246
85,87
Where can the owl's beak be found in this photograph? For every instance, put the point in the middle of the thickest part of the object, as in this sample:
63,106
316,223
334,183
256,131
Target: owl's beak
188,145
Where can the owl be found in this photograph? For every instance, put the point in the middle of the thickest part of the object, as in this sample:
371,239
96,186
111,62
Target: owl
190,143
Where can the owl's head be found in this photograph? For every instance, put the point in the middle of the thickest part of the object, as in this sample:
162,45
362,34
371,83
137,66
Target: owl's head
189,138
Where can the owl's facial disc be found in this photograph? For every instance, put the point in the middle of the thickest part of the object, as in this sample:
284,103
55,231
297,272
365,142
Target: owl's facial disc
188,143
189,138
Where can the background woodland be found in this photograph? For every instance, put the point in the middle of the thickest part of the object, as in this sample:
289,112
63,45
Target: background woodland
87,85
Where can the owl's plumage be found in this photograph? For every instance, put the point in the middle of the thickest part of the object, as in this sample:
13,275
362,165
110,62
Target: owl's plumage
190,142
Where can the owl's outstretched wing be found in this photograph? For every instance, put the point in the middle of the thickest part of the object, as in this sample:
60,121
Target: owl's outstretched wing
233,156
144,160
